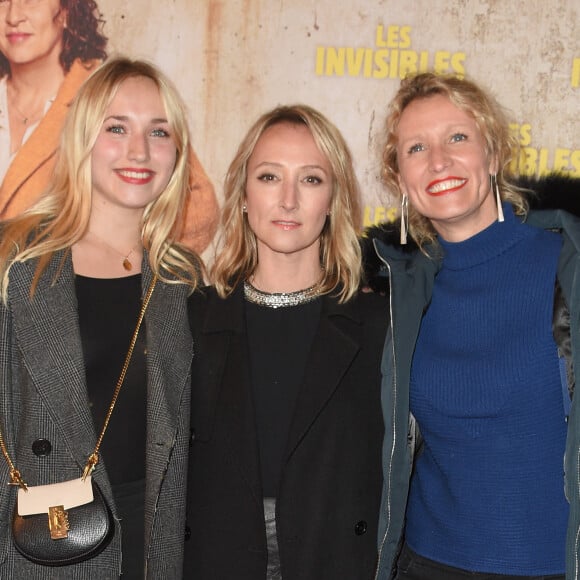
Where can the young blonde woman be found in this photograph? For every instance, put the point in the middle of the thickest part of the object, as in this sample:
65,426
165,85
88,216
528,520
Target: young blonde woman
77,271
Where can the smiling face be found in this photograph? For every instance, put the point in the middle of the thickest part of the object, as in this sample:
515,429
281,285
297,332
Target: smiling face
31,33
288,194
134,155
444,167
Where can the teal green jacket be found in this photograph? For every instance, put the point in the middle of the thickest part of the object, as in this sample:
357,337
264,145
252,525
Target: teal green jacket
411,276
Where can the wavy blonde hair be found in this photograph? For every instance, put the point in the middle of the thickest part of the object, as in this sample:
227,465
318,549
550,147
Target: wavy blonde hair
490,118
61,216
340,254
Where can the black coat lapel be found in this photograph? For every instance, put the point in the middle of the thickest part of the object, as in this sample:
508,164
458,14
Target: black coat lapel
221,380
335,345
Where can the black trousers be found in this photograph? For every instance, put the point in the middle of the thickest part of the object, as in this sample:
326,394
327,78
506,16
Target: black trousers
411,566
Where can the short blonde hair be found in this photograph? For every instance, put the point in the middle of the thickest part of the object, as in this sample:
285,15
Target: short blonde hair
61,216
340,254
490,118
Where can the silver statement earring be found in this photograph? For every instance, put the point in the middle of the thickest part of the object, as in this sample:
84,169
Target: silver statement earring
495,188
404,218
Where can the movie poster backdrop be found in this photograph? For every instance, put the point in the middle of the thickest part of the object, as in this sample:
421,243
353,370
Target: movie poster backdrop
233,59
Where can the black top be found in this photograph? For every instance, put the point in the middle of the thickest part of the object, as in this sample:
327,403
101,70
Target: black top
279,341
108,311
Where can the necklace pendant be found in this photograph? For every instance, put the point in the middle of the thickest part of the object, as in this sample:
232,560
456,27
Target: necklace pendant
127,265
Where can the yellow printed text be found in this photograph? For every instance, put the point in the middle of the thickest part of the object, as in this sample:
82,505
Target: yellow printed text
378,215
384,63
393,36
540,161
575,82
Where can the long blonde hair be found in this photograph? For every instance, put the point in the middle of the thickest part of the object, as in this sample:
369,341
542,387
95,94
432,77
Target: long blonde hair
61,216
489,117
340,254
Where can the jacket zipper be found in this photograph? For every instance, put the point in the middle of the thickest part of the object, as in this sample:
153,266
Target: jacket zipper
577,531
394,385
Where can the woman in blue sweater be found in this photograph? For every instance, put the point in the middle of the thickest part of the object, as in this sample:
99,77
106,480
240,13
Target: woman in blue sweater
476,383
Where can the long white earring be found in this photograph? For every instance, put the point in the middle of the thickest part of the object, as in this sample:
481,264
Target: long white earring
495,187
404,218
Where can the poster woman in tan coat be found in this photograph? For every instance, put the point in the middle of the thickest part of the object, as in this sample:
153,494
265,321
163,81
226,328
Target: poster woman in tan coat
48,48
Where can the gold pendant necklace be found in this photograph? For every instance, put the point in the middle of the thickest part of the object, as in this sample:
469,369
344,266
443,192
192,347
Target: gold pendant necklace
127,264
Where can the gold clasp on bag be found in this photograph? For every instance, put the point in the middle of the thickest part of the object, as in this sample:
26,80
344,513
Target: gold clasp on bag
58,522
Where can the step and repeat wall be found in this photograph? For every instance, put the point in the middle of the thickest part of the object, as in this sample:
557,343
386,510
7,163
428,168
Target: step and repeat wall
234,59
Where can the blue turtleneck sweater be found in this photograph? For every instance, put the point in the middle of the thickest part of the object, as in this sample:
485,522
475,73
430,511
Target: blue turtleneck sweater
487,494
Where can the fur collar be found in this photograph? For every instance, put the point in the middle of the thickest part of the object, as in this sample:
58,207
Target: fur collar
553,191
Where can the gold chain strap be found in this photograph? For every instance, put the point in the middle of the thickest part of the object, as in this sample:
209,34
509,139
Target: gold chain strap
16,478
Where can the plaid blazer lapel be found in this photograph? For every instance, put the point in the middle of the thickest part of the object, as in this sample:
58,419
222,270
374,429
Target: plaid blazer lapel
47,330
169,357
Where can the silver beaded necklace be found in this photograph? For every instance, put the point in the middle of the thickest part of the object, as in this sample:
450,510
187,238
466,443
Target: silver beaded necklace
280,299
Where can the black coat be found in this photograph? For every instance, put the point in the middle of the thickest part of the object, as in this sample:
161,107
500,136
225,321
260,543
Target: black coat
329,498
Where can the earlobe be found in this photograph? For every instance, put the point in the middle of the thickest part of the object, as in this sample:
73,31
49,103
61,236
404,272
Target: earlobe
62,16
400,184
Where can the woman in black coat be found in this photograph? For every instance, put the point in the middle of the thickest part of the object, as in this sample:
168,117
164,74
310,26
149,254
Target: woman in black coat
285,465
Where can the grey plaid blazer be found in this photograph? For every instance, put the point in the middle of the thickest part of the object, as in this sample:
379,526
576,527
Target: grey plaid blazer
43,394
